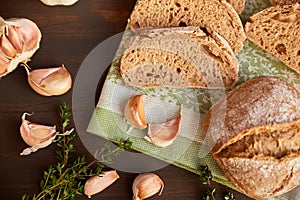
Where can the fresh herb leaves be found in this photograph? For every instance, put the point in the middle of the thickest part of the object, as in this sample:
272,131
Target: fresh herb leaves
66,179
206,177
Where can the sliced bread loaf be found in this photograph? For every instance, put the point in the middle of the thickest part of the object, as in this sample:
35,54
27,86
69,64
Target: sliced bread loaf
276,29
283,2
178,57
216,14
254,134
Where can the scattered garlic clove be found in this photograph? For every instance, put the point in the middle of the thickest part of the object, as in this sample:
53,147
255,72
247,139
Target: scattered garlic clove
146,185
134,112
59,2
98,183
19,40
163,134
37,136
50,81
33,133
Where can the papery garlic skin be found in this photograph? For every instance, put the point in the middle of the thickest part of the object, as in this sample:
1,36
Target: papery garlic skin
33,133
134,112
50,81
19,40
59,2
163,135
37,136
98,183
146,185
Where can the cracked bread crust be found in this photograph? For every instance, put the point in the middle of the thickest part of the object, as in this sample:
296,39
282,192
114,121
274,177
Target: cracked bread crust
257,141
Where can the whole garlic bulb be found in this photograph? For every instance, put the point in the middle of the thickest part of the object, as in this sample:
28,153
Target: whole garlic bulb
19,40
59,2
50,81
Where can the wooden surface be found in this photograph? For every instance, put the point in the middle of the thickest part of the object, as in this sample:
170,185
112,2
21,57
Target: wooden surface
69,34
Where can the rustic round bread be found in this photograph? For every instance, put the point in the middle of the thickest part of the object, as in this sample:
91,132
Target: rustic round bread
254,135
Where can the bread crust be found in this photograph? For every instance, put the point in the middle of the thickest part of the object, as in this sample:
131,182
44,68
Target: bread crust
257,140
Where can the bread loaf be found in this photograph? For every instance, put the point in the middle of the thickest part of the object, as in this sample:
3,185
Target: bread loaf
283,2
276,29
178,57
216,14
254,135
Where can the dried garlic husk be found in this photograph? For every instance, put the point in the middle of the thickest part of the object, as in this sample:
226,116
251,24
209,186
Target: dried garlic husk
37,136
98,183
163,134
19,40
146,185
50,81
134,112
59,2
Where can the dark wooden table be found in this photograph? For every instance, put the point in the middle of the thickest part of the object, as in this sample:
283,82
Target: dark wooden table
69,34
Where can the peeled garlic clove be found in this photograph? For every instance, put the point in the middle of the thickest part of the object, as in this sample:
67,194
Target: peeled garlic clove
163,134
146,185
34,134
50,81
19,40
134,112
59,2
98,183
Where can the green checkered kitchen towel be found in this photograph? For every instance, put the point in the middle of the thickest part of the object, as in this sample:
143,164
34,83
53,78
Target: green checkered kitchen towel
162,104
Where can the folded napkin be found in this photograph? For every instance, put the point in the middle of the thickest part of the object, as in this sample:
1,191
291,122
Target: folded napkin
162,104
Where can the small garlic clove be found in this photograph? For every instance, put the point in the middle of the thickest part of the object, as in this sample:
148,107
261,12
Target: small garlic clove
98,183
7,48
4,62
146,185
50,81
134,112
34,134
14,38
163,134
59,2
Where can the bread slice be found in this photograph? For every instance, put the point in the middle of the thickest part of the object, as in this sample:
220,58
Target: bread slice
276,29
283,2
216,14
254,135
178,57
237,5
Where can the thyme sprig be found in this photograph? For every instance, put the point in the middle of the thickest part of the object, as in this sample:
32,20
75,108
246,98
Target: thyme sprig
210,192
66,179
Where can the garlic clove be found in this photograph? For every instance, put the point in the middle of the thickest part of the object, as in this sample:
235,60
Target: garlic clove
98,183
163,134
19,40
4,62
59,2
134,112
14,38
50,81
33,133
146,185
7,48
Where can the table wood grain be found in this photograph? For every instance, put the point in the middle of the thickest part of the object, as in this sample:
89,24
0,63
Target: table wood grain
69,34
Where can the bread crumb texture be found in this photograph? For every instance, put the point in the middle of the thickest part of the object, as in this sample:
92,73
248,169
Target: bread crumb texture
276,30
257,140
215,14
